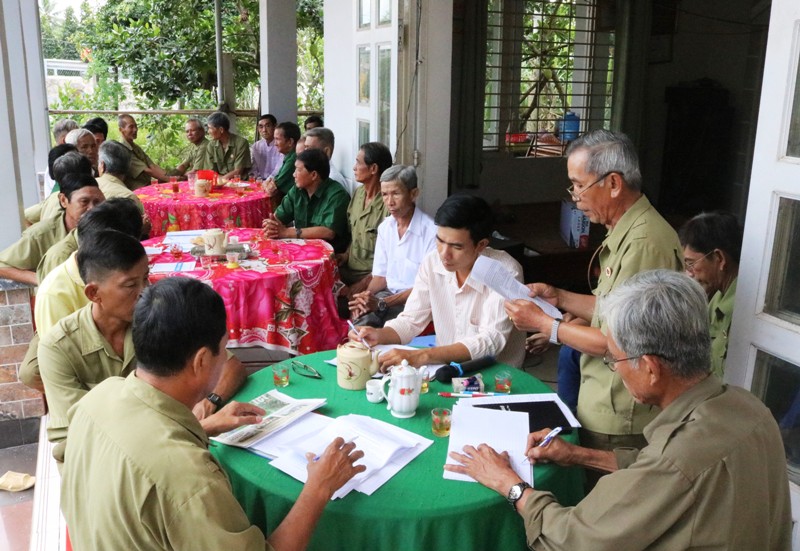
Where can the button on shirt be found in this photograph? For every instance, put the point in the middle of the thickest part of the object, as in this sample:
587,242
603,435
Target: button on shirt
236,155
364,221
327,208
472,314
398,259
266,158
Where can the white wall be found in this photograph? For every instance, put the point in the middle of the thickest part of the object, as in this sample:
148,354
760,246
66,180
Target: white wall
278,43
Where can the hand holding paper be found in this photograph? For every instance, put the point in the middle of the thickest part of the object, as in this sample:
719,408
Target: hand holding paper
495,276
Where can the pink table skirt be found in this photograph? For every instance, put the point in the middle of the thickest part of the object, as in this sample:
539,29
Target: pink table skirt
282,299
223,208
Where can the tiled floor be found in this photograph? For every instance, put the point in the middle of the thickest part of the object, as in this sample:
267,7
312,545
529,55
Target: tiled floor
16,509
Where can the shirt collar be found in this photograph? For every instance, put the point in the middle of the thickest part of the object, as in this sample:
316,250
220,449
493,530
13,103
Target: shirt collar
724,306
93,341
617,234
72,270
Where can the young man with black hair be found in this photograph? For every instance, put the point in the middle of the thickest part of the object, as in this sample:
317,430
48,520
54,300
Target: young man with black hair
79,194
59,164
136,453
264,153
468,316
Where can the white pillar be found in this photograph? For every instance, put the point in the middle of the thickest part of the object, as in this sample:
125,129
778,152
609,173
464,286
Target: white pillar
279,58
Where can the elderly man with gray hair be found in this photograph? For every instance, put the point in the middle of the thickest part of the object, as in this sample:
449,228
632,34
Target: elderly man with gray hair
404,238
115,160
86,144
142,168
319,137
62,128
713,474
603,167
227,154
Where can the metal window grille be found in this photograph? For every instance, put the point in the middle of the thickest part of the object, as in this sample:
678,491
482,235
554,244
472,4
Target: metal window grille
544,58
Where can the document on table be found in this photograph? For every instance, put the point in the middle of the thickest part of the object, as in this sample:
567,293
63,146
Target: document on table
170,267
528,403
502,430
185,239
494,275
387,449
303,428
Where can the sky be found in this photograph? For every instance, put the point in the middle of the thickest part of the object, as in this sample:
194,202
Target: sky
61,5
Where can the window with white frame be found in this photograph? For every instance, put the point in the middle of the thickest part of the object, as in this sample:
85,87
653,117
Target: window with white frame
544,59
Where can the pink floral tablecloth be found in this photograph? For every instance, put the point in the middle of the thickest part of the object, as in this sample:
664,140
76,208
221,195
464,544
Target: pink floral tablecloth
183,211
281,299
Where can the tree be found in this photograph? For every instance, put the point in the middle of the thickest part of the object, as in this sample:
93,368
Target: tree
68,35
51,47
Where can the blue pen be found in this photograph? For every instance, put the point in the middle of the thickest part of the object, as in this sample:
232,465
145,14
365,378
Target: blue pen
547,439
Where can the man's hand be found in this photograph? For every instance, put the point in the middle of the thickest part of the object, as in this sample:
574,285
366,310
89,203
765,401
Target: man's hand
538,343
395,356
488,467
369,335
203,409
273,228
527,316
544,292
334,467
233,415
557,451
362,303
269,186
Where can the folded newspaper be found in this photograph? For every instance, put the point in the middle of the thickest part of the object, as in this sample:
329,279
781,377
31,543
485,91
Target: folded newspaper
280,411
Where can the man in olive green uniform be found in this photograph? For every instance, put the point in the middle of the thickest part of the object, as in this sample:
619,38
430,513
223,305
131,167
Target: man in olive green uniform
713,474
606,185
317,205
228,154
286,136
135,451
79,193
142,167
196,155
61,160
720,313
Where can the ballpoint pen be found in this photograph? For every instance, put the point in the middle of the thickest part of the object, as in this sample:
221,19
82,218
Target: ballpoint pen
353,328
467,394
547,439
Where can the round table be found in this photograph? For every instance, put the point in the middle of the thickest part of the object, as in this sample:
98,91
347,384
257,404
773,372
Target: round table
282,300
224,207
417,509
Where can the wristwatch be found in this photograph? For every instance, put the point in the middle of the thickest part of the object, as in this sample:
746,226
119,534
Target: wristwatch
382,306
554,332
298,232
515,493
215,399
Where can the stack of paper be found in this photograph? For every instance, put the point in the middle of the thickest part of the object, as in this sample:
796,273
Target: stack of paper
543,410
387,449
184,239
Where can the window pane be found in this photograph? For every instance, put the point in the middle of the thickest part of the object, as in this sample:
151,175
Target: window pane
783,292
384,12
793,147
363,132
364,13
384,93
363,74
777,383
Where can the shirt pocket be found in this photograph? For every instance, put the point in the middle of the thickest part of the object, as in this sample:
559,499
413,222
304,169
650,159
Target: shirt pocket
410,269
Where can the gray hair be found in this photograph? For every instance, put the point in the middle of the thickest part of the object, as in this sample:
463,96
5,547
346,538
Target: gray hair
610,152
63,127
662,313
74,135
122,120
324,135
198,122
116,158
220,120
407,175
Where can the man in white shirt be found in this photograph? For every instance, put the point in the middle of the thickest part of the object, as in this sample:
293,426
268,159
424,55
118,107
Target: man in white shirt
264,153
469,318
322,138
404,238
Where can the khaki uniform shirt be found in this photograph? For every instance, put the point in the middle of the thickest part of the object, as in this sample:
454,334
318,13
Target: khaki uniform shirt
60,294
237,155
720,314
57,254
138,475
136,176
364,221
713,476
111,186
74,357
327,207
28,251
641,240
195,156
46,209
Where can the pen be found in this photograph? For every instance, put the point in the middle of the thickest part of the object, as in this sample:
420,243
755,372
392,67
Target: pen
466,394
353,327
547,439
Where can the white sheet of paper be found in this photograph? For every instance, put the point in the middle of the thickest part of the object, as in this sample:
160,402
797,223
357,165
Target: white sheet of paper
502,430
510,398
182,238
153,250
304,427
169,267
494,275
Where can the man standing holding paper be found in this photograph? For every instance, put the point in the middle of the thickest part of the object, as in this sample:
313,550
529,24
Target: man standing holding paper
713,474
606,184
467,315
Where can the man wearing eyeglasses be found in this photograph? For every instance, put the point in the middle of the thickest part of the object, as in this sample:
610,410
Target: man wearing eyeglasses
606,185
713,474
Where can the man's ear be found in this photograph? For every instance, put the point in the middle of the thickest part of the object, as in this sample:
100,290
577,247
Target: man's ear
653,368
62,200
202,361
481,245
414,194
90,290
615,184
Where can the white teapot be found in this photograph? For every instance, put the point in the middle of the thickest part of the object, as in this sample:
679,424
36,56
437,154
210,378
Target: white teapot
355,364
215,241
403,397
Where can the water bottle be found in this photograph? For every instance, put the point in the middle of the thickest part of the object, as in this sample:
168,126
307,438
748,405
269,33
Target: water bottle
569,126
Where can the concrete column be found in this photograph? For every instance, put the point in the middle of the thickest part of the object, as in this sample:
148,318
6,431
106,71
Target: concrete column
279,58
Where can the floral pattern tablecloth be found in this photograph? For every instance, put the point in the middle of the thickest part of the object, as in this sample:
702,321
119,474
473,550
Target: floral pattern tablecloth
281,299
223,208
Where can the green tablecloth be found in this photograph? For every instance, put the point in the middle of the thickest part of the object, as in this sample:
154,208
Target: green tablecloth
417,509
